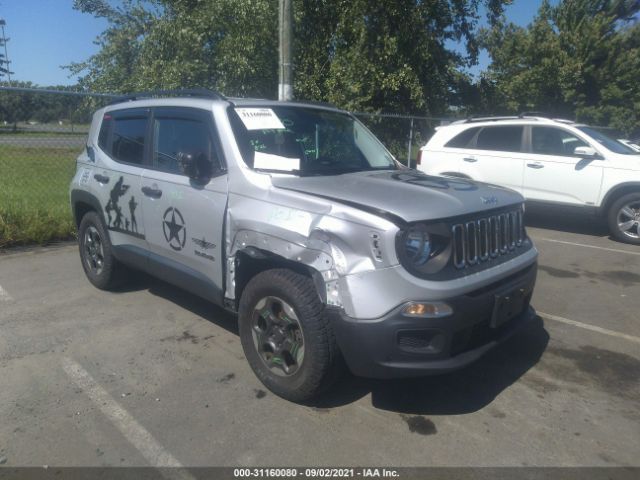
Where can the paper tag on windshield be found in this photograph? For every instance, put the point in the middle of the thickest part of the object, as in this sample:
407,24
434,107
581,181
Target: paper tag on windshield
259,119
275,162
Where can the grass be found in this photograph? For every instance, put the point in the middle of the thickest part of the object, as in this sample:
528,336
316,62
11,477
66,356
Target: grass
34,194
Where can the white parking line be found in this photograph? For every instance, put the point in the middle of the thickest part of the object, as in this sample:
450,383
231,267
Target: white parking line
588,246
586,326
135,433
4,295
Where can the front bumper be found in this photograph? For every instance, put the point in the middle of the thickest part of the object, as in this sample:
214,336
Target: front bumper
398,346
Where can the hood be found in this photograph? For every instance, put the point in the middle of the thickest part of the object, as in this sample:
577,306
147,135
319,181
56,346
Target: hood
407,195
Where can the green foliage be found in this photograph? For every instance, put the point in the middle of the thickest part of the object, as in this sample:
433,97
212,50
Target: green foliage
579,59
34,198
360,54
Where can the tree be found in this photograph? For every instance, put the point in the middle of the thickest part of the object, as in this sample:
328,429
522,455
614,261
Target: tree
360,54
578,59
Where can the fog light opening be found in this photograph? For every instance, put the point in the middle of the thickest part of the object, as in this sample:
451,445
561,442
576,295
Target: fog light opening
427,309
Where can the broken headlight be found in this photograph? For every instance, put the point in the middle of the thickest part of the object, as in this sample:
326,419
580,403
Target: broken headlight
424,249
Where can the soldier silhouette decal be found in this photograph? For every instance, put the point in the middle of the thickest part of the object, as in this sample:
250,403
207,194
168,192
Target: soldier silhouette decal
116,220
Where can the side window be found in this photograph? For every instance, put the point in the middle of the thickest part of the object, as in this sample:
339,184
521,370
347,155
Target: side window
554,141
103,136
128,139
174,136
506,138
463,139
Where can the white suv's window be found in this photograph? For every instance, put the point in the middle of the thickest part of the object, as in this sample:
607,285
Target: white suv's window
507,138
462,140
554,141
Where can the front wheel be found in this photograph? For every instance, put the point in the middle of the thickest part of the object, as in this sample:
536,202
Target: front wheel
286,335
624,219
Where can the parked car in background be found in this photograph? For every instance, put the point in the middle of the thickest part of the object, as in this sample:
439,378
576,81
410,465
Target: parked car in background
549,161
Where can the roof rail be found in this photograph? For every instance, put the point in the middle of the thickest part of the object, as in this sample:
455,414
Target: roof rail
189,92
534,114
489,119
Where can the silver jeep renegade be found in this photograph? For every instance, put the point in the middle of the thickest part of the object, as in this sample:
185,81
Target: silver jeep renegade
297,218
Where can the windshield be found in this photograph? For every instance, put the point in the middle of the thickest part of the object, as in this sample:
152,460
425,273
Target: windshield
306,141
608,142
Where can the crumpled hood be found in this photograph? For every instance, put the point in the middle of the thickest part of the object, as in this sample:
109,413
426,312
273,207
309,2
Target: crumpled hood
407,194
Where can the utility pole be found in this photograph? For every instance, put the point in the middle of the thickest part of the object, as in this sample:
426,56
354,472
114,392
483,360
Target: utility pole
285,87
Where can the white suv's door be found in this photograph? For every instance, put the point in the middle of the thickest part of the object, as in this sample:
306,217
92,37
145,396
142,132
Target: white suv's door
185,217
553,173
495,156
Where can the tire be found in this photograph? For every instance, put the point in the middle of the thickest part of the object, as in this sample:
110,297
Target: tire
96,253
313,359
625,211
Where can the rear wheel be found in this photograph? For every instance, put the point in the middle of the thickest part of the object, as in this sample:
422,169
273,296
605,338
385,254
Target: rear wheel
96,252
624,218
286,335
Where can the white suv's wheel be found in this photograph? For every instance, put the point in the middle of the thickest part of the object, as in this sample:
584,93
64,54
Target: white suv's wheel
624,218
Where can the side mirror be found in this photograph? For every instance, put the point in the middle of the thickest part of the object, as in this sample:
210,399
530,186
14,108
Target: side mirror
586,152
194,165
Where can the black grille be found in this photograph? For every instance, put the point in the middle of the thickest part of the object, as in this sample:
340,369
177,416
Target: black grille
487,238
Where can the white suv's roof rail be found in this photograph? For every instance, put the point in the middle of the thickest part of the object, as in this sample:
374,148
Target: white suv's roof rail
523,116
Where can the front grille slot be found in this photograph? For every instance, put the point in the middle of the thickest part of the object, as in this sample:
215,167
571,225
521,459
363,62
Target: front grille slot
487,238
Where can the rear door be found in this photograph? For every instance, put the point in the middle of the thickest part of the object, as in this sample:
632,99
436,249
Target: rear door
495,156
185,218
116,179
553,173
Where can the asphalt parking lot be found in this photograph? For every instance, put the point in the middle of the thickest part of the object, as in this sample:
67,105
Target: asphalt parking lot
152,375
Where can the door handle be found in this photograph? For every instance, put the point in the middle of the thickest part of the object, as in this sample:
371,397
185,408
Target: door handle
152,192
535,165
470,159
101,178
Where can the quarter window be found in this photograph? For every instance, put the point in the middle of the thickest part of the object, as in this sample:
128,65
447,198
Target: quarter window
128,139
103,136
554,141
175,136
501,139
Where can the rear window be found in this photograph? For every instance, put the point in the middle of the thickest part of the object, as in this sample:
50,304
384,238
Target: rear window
462,140
506,138
128,139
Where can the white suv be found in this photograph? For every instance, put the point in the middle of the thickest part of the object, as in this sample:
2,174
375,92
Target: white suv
551,161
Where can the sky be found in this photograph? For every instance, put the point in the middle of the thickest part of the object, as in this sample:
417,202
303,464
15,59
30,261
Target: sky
47,34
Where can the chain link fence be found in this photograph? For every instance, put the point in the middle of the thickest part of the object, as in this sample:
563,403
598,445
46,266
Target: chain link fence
43,131
41,134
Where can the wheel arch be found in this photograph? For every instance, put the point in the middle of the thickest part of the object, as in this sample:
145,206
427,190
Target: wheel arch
83,202
615,193
250,261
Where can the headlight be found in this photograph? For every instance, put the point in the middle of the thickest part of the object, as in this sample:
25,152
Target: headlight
417,245
424,249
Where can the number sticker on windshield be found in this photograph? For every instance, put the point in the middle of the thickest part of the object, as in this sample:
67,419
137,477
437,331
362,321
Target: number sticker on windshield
259,119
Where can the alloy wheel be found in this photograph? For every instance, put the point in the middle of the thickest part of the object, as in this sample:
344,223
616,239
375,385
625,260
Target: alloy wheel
93,250
629,219
277,336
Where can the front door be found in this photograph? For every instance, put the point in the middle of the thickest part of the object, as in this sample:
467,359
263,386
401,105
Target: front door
553,173
184,217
